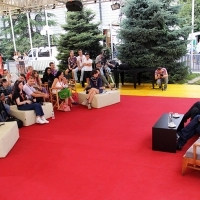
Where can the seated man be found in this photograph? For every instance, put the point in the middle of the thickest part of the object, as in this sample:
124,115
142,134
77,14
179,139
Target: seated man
187,132
192,112
161,77
6,91
33,94
101,74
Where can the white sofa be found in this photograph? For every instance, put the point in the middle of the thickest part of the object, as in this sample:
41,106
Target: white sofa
101,100
28,117
9,134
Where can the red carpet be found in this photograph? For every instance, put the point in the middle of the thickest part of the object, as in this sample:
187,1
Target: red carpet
100,154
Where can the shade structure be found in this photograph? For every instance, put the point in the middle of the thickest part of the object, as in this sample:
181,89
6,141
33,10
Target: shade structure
17,6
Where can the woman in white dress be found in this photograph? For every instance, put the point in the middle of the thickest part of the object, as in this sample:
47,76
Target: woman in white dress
15,57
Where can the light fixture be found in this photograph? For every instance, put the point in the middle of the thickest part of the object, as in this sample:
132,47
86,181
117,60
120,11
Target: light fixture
115,6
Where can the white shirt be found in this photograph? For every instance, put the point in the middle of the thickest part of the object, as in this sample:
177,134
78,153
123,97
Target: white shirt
81,60
87,68
198,48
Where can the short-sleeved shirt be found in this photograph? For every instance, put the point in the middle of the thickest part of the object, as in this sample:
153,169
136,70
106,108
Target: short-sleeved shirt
22,97
81,60
87,68
162,71
28,90
72,61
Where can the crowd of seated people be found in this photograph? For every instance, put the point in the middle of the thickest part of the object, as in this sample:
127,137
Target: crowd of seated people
27,91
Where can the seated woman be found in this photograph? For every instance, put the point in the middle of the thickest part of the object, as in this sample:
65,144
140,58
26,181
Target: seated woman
59,84
38,82
19,96
48,77
96,88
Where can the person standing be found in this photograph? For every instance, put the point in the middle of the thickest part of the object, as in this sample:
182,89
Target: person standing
21,63
87,68
198,52
26,59
79,68
161,77
15,57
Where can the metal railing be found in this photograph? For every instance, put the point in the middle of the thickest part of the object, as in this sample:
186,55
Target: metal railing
195,65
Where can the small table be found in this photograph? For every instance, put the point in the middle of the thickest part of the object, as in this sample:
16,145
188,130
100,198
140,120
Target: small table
163,137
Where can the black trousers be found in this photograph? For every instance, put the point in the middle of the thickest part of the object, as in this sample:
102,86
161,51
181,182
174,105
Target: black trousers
192,112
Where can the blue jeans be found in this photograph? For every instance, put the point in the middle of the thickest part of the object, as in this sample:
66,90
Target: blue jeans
188,131
34,106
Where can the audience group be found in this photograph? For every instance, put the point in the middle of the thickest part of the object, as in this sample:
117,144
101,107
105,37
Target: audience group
28,91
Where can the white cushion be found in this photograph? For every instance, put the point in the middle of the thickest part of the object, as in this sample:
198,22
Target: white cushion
9,134
101,100
28,116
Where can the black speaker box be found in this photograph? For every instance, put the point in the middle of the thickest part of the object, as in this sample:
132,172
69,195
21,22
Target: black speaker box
74,5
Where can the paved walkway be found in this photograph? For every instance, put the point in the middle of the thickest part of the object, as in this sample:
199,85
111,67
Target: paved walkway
194,80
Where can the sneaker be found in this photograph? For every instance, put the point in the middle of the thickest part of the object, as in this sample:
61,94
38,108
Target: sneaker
40,121
89,106
85,102
43,119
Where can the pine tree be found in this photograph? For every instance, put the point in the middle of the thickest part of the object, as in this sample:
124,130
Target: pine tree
20,26
186,13
150,37
81,33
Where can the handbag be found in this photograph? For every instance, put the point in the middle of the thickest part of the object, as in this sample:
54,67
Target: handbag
64,107
63,94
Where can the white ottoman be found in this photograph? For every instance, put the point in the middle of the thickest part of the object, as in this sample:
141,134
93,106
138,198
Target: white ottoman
28,117
9,134
101,100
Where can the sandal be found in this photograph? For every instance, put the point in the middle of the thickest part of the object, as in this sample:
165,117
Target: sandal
89,106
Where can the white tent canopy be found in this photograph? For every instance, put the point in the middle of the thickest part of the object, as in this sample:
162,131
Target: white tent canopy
16,6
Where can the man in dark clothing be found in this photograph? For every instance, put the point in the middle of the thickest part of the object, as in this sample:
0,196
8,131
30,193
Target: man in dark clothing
188,131
192,112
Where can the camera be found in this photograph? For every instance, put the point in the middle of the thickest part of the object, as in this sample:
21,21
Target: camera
161,75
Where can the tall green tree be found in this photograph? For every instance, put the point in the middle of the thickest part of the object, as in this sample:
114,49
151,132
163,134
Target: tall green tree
186,14
81,33
20,26
150,36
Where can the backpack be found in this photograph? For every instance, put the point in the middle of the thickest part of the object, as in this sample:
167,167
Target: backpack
5,117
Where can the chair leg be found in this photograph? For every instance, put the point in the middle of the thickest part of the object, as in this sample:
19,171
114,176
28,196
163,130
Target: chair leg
184,165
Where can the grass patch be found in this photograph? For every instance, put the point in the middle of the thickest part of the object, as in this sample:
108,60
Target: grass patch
190,77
